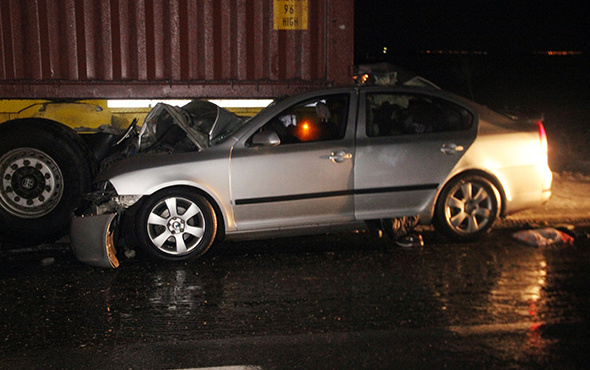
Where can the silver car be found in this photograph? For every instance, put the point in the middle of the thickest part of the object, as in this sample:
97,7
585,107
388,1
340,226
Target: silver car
315,162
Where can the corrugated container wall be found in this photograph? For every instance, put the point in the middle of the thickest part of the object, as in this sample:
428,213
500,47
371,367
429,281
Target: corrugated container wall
176,48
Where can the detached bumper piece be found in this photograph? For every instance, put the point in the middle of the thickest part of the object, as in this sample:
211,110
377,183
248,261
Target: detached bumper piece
92,239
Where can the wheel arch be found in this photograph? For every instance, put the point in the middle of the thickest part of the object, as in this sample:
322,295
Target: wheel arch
55,126
38,120
219,214
501,193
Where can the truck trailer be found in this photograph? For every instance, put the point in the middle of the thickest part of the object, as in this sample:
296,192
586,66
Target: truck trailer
61,60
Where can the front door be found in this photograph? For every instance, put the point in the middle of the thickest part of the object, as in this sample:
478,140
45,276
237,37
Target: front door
305,180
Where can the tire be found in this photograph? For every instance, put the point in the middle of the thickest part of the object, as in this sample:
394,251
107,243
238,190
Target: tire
45,167
467,208
176,225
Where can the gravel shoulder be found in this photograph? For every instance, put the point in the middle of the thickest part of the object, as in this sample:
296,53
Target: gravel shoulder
569,202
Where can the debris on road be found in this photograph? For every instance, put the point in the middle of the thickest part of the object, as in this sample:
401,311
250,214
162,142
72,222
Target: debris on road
47,261
543,237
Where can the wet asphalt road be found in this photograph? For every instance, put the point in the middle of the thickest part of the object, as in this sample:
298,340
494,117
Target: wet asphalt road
335,301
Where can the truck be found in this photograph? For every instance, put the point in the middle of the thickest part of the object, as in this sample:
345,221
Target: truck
62,61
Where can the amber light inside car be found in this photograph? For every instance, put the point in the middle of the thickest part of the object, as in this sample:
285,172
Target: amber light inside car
307,131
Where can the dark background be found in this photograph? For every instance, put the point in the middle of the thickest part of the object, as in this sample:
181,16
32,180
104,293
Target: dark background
494,26
495,53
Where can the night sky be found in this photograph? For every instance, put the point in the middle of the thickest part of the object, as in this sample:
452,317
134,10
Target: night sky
511,70
491,25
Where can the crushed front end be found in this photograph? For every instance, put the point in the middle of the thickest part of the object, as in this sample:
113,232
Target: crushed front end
166,130
93,233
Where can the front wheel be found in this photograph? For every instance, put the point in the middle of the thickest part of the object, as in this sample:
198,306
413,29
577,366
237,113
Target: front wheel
467,208
176,225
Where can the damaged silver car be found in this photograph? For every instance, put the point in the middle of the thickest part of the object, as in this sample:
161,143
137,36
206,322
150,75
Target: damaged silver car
166,129
323,161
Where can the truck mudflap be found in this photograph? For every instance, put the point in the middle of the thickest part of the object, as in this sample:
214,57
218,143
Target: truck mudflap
92,239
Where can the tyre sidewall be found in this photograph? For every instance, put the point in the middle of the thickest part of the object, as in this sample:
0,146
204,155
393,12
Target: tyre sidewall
440,221
68,151
146,208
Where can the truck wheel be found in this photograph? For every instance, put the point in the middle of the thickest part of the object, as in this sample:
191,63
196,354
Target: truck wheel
45,167
176,225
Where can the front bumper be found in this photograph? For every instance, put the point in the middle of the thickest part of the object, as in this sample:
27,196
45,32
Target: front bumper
92,239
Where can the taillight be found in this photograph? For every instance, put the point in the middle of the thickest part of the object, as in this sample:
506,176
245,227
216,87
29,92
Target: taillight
542,136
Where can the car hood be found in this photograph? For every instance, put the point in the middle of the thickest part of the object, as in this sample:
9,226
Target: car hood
154,161
193,127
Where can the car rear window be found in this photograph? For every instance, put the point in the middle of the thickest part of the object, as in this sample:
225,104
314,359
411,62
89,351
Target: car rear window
406,114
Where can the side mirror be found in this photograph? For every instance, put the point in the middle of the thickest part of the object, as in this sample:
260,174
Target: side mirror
266,138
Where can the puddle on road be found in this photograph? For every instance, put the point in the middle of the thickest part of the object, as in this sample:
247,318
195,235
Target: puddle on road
292,286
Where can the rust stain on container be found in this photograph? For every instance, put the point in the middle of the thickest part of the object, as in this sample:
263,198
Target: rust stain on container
177,48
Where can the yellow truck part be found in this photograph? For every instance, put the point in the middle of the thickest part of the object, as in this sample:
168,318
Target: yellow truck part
84,115
50,151
79,115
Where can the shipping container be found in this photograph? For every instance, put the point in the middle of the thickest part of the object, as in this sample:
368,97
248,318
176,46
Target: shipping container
84,49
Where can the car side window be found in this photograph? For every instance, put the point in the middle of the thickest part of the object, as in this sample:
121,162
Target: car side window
406,114
318,119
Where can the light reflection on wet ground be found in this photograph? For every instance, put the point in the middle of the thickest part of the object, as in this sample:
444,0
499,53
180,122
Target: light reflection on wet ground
307,286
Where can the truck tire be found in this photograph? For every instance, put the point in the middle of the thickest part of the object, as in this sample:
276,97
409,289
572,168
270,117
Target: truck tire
45,167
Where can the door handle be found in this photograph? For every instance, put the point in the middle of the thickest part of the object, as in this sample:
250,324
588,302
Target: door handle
451,148
338,157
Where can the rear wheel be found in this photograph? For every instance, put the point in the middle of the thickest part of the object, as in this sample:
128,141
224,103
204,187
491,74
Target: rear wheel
32,183
176,225
467,208
45,167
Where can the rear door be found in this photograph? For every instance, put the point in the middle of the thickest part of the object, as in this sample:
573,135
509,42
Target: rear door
407,144
305,180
